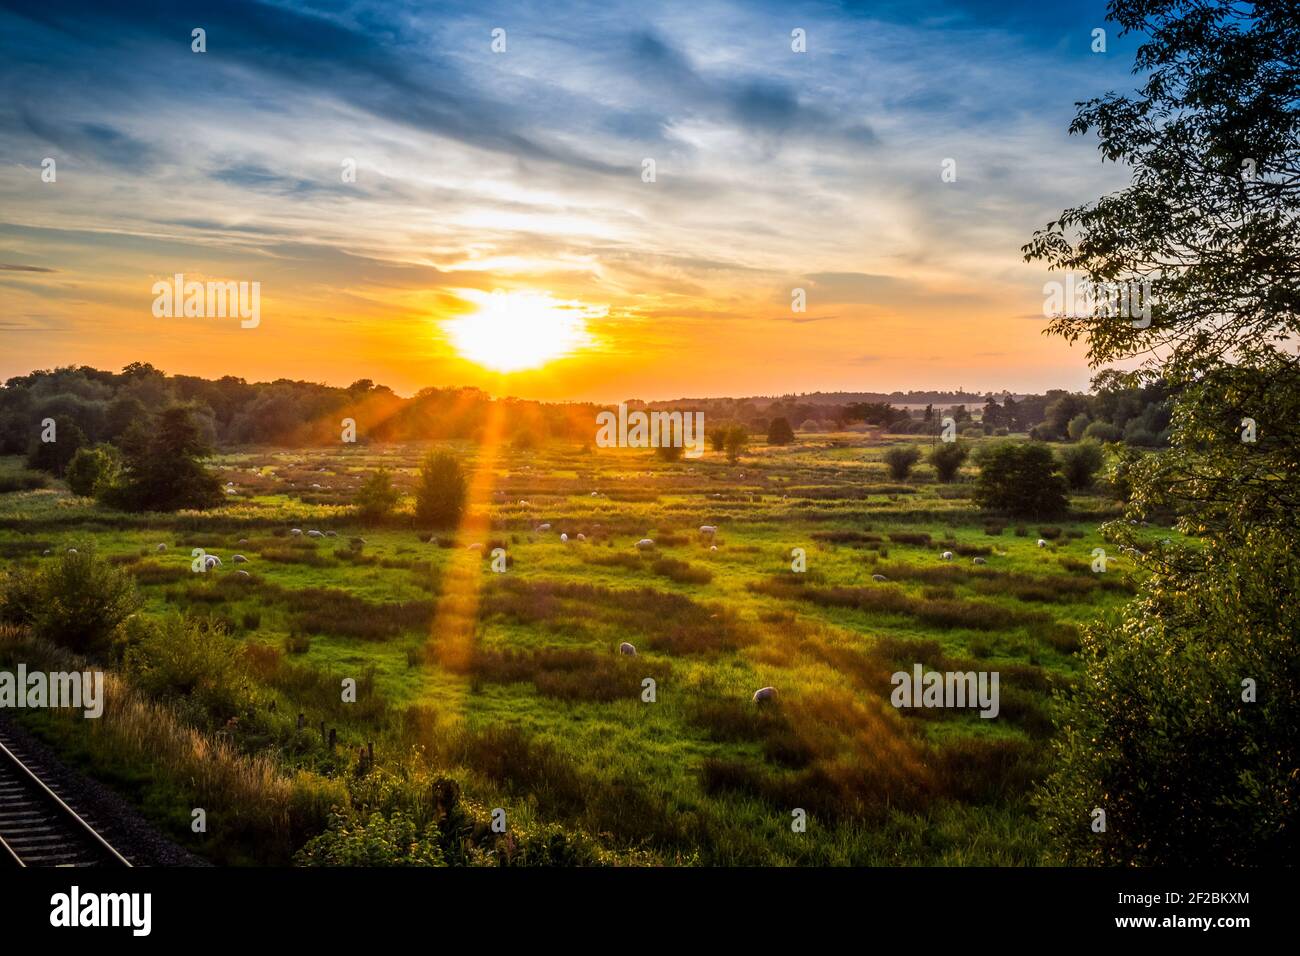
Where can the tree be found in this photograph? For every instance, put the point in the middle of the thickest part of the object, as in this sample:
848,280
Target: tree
780,432
718,438
54,456
900,459
947,458
1171,729
1078,424
440,491
1080,463
162,468
1020,479
93,469
376,498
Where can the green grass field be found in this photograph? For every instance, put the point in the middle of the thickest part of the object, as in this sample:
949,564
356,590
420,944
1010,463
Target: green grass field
511,683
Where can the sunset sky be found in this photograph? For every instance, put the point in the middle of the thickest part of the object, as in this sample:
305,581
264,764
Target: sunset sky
520,173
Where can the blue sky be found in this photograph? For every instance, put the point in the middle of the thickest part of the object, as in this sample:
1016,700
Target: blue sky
521,170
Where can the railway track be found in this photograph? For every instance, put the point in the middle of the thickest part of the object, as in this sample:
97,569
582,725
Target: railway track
37,828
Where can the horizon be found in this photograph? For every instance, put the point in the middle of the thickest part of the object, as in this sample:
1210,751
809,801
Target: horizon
379,178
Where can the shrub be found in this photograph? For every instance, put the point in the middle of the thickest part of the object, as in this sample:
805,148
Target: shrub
93,469
440,491
669,452
900,459
54,456
376,498
1077,426
1080,463
1102,432
780,432
736,442
947,458
192,664
77,601
1020,479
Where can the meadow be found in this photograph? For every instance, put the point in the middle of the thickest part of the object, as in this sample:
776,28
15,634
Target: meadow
481,689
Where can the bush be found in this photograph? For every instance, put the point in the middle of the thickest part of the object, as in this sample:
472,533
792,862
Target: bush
718,438
1102,432
54,456
669,452
900,459
736,442
780,432
1077,426
93,469
376,498
23,481
192,664
440,492
75,600
1020,479
947,458
1080,463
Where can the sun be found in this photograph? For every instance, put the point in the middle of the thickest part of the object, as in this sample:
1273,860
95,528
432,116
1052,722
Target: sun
513,331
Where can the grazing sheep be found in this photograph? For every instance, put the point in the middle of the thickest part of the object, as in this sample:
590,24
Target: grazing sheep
595,494
582,537
161,547
242,541
242,574
476,544
978,561
239,559
947,556
356,542
316,486
564,538
879,578
1042,543
708,529
626,648
645,544
331,534
296,531
231,491
544,527
764,694
314,534
211,561
72,551
713,547
46,551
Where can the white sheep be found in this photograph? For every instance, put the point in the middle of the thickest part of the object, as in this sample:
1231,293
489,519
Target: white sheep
331,534
879,578
1042,543
978,561
46,551
314,534
645,544
72,551
546,526
295,531
242,574
626,648
947,556
582,537
713,547
161,547
764,694
211,561
564,538
708,529
239,559
475,545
